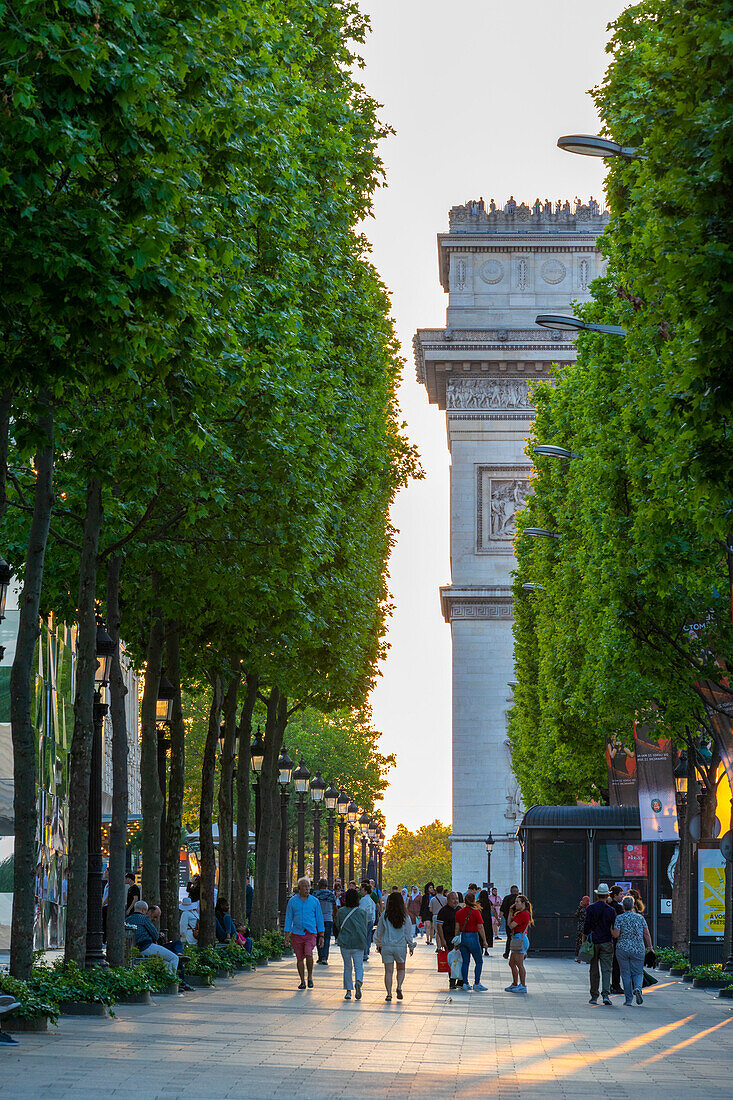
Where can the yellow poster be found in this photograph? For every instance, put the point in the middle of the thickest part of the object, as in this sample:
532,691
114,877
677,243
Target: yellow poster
711,892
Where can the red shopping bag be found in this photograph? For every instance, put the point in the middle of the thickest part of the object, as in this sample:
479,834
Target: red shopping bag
443,967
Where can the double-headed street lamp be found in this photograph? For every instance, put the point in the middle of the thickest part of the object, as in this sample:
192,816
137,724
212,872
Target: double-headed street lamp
285,770
95,955
257,759
301,779
318,790
342,806
352,816
330,799
364,821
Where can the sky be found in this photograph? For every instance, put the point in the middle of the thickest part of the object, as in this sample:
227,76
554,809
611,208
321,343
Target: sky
478,93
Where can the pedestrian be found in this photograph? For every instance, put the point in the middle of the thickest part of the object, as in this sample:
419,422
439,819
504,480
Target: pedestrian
338,892
413,907
376,893
425,915
614,900
639,906
353,933
188,919
580,917
445,930
470,927
520,920
495,901
133,893
505,906
394,936
327,901
632,938
366,902
437,902
146,937
488,915
599,920
303,929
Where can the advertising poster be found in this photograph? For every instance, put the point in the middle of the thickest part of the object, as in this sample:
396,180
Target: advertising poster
710,892
635,861
621,764
720,712
655,787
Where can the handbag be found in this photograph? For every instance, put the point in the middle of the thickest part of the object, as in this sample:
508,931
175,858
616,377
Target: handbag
586,952
443,964
516,943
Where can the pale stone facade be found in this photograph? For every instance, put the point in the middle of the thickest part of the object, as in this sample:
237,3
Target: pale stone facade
500,269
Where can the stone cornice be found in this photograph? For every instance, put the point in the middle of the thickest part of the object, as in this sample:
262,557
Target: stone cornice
476,602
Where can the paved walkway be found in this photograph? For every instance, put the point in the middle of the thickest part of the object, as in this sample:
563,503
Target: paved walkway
258,1036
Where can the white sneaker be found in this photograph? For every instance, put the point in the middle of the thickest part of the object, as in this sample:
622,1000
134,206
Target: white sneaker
480,988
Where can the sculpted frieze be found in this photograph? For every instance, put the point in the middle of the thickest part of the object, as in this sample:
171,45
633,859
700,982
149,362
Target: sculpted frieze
487,393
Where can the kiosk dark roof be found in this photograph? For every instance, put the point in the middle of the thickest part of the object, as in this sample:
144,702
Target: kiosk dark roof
581,817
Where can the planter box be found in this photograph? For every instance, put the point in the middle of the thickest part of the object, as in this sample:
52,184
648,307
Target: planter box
134,998
221,974
664,965
687,977
83,1008
710,983
167,990
20,1023
241,967
199,981
678,971
727,992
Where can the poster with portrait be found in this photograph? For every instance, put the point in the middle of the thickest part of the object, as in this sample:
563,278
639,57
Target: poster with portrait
621,765
655,786
710,892
719,706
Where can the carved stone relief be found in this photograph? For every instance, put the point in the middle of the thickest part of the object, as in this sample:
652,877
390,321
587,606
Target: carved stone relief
553,271
491,271
460,272
480,610
583,274
500,493
487,393
522,275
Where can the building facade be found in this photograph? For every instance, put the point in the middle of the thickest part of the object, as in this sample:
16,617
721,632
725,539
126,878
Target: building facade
500,268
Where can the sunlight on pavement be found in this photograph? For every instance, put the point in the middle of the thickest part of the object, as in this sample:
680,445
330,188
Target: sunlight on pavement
528,1049
685,1043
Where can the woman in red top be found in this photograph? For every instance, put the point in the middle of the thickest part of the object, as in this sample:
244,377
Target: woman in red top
470,926
520,920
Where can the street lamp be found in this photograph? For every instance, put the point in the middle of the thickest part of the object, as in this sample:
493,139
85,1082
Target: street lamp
574,324
540,533
163,718
352,816
318,790
95,955
301,779
343,808
330,799
489,842
364,828
588,145
533,586
285,770
257,758
164,702
551,451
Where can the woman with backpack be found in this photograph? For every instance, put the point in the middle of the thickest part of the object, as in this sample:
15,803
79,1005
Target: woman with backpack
352,930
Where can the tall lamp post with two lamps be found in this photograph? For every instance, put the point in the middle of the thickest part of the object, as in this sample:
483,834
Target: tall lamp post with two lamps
330,799
318,790
301,779
285,770
343,808
95,955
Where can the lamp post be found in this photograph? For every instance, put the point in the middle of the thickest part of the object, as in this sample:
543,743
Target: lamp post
343,808
540,533
301,779
95,955
561,323
380,859
588,145
318,790
285,770
163,716
331,799
5,574
533,586
257,756
352,816
364,829
489,842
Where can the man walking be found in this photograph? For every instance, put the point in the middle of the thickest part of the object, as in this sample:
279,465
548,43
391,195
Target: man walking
599,920
366,901
304,926
327,900
506,905
614,901
445,930
437,902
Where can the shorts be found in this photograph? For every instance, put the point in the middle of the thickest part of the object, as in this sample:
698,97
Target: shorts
525,944
393,953
303,944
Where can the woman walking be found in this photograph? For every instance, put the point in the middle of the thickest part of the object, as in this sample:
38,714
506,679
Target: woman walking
413,908
488,914
394,936
632,939
580,917
425,915
519,920
495,901
470,927
352,930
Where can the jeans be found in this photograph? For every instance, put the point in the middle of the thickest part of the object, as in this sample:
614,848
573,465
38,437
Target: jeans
470,945
327,933
169,957
352,956
603,957
632,972
369,943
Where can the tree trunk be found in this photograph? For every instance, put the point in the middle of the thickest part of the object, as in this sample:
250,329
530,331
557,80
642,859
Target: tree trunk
175,778
207,934
150,794
81,744
265,907
226,790
118,828
21,711
241,855
6,405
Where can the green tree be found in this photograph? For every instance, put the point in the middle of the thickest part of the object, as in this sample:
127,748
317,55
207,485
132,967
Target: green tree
414,858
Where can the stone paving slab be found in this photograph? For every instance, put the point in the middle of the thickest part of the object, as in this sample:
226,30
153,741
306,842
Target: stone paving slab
258,1036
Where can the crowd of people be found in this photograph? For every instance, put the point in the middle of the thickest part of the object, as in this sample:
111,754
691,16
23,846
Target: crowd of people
462,928
614,938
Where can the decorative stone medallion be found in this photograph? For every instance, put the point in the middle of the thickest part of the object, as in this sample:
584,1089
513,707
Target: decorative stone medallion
553,271
491,271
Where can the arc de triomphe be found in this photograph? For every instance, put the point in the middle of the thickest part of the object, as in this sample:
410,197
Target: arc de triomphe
499,268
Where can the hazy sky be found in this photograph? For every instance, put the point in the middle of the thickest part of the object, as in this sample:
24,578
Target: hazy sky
478,93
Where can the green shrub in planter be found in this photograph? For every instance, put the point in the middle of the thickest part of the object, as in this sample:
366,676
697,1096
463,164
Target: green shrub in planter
709,977
197,966
34,1005
158,973
129,981
65,981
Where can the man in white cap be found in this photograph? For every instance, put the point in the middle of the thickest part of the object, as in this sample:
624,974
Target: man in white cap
599,920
